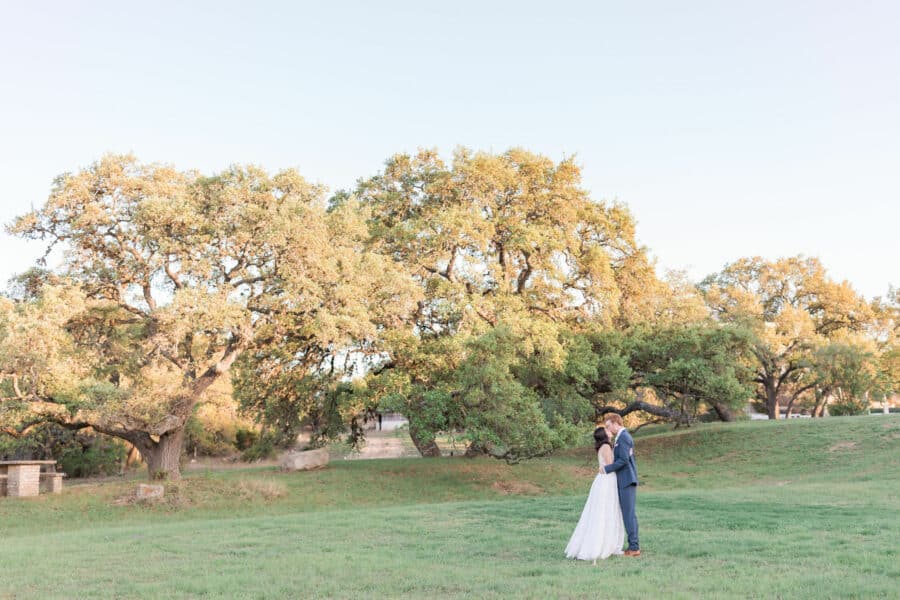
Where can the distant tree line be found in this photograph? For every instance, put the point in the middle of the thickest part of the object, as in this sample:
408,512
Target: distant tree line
489,297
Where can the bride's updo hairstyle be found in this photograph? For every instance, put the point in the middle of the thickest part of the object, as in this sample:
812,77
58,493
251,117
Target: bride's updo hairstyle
600,438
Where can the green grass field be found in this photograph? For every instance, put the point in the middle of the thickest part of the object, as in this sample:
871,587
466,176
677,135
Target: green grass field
799,509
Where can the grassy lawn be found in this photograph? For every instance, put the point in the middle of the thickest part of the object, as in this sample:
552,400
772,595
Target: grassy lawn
806,508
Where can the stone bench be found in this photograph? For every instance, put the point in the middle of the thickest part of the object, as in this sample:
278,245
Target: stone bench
51,483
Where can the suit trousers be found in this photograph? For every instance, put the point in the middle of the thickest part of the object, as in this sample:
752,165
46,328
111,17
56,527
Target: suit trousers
627,499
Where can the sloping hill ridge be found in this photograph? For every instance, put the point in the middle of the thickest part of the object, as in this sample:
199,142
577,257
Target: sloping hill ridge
749,457
772,452
799,509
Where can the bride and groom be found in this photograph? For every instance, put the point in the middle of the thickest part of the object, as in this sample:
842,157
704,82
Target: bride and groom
609,511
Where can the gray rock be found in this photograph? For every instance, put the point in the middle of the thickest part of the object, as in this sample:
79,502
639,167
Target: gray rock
304,461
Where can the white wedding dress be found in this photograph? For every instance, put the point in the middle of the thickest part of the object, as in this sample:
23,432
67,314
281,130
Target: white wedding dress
600,532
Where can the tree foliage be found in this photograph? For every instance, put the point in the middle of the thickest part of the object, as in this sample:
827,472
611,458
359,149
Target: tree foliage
489,297
792,307
671,373
172,276
510,252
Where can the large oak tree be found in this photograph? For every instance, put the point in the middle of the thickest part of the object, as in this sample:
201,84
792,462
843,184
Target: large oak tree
793,307
507,249
171,277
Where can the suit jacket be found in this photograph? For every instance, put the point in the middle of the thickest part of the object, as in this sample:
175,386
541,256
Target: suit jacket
623,460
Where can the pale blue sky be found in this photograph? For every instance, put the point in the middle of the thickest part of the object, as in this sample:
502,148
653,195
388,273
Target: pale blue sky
729,128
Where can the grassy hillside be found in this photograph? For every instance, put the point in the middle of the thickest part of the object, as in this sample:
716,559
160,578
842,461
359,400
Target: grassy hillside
806,508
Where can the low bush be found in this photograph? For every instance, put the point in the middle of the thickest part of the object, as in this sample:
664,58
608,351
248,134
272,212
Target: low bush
207,439
245,438
94,455
848,407
264,447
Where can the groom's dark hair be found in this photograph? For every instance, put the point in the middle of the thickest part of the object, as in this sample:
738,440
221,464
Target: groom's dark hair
600,438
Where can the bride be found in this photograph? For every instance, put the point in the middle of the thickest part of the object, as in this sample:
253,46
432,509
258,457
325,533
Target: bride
600,532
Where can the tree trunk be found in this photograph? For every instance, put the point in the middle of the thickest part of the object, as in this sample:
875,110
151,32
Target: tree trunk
427,448
772,403
722,412
818,395
163,457
133,457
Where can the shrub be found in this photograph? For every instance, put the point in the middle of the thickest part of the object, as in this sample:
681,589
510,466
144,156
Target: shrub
79,453
205,439
848,407
264,447
245,438
215,425
28,447
94,455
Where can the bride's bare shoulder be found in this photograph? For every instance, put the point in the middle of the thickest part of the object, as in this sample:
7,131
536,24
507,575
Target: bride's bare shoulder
606,453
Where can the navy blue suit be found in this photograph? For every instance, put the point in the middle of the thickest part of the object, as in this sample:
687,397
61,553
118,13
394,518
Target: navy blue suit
627,478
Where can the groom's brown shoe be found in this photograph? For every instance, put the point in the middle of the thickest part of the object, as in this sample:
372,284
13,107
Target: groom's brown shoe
632,553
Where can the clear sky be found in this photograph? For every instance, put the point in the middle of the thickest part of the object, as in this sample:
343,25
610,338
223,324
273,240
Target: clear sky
729,128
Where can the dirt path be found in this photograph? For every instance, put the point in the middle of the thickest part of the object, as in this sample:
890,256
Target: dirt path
384,444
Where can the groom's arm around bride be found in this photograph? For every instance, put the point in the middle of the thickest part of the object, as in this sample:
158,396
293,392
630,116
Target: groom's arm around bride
623,459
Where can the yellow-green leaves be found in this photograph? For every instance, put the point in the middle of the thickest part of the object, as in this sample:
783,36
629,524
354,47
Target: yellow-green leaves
793,308
499,242
175,275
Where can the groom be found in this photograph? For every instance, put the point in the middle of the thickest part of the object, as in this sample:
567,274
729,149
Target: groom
623,464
